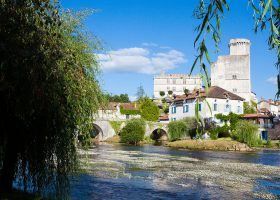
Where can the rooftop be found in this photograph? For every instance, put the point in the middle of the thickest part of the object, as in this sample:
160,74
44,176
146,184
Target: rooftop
213,92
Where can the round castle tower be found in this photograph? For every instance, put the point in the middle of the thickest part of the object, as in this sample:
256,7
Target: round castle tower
239,47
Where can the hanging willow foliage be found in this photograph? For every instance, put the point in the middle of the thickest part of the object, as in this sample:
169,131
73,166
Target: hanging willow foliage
48,91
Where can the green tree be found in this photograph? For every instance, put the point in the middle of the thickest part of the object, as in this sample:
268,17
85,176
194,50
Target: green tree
186,92
162,93
140,92
249,109
247,132
149,110
177,130
170,92
133,132
122,98
48,92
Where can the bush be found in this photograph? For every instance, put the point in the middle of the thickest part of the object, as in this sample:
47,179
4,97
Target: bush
177,130
247,132
234,135
214,134
133,132
269,143
221,131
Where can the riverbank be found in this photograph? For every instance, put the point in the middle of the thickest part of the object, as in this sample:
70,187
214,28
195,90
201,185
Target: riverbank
217,145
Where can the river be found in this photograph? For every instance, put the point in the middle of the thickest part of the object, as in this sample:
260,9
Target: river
115,171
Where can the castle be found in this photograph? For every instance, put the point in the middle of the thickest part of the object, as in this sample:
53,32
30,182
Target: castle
232,72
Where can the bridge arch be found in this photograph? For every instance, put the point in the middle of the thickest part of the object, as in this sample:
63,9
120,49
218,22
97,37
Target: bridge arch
96,132
159,134
103,129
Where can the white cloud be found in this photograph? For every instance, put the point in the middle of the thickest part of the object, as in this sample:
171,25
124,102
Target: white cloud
149,44
140,60
272,80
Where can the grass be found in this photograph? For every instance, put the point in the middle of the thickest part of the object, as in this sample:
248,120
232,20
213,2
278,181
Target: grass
220,145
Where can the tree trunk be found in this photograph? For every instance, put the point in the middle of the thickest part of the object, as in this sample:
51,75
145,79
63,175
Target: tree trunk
9,167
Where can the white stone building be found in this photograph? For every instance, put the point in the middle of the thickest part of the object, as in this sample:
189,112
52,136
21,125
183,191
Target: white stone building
220,101
232,72
177,83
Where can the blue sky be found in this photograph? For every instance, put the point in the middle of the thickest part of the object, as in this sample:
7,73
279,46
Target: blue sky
145,37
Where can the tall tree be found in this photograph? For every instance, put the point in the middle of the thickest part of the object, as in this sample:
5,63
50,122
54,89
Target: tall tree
48,92
140,92
148,109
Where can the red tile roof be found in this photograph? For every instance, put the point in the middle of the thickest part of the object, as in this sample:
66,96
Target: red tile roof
163,117
213,92
256,116
129,106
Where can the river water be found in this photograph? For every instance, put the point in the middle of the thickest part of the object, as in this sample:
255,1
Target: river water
115,171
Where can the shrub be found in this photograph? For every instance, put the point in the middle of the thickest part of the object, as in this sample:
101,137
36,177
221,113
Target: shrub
269,143
133,132
234,135
162,93
214,134
247,132
177,130
223,131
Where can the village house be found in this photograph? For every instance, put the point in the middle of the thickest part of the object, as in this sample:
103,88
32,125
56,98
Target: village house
269,106
219,100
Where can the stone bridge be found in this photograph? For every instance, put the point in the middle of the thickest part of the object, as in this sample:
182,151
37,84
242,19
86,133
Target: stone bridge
104,130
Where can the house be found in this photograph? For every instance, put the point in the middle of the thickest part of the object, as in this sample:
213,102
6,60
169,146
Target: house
115,111
269,105
264,121
218,99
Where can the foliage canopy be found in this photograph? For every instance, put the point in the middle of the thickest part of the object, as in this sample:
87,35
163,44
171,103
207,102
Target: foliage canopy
133,132
48,92
149,110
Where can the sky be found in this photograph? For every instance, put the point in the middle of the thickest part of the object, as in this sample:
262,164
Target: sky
142,38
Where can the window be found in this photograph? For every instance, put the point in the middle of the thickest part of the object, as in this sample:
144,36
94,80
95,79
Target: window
174,89
239,109
234,77
234,90
215,107
186,108
227,108
184,81
173,109
199,107
168,81
173,119
174,81
168,88
127,116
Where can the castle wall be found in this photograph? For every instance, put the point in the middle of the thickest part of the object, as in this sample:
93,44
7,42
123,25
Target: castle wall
232,72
